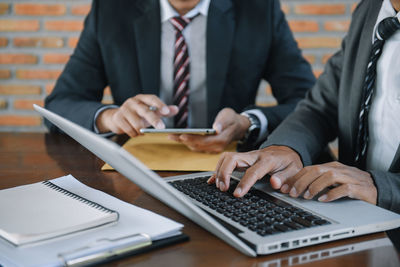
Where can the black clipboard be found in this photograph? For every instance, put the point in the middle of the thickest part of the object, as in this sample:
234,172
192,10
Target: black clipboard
122,252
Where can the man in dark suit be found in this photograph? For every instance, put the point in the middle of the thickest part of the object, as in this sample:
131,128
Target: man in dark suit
356,99
183,63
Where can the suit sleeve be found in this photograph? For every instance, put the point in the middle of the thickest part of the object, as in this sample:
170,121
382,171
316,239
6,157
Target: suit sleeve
288,73
388,186
79,90
314,122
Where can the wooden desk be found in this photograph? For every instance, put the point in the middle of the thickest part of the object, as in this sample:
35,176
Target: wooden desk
33,157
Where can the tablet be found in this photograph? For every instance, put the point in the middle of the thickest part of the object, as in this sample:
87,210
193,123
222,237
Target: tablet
201,131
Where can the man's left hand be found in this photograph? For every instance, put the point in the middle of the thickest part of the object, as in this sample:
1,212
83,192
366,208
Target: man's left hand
338,179
229,126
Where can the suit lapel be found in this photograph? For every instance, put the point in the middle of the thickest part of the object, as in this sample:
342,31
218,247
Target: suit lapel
362,58
395,166
147,28
220,31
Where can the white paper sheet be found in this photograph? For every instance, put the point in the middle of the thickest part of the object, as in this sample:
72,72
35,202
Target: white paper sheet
133,220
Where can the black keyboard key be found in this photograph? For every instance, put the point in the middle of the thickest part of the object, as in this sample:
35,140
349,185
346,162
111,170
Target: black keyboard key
281,227
257,211
321,222
302,221
293,225
312,218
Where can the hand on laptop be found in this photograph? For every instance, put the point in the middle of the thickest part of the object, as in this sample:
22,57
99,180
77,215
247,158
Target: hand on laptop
287,174
140,111
346,181
280,162
229,125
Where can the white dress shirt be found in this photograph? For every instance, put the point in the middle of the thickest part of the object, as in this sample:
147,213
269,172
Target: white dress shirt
195,34
384,116
195,37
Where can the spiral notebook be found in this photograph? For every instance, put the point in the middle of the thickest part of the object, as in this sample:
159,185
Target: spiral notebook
41,211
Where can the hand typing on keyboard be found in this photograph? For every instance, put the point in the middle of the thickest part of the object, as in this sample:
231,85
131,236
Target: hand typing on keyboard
278,161
288,175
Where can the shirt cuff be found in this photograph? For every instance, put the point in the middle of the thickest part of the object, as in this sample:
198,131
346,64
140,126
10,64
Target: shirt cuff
95,118
262,135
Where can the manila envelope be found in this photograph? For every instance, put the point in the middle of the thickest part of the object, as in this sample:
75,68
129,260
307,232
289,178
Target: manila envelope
161,154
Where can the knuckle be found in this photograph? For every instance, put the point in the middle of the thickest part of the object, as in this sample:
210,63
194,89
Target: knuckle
313,190
348,187
229,155
331,174
336,164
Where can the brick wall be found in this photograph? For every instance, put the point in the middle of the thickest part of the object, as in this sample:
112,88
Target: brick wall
37,38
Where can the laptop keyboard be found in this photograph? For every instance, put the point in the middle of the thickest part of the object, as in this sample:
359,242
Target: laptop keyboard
257,211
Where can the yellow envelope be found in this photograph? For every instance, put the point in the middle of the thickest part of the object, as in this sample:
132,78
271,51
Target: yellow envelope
161,154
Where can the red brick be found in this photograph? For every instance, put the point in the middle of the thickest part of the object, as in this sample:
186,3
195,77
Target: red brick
303,26
325,58
39,9
320,9
317,73
5,74
38,74
18,59
53,58
19,89
73,41
49,88
13,25
80,9
309,58
45,42
27,104
268,90
3,42
336,25
4,8
3,103
353,7
107,101
107,91
285,8
319,42
64,25
16,120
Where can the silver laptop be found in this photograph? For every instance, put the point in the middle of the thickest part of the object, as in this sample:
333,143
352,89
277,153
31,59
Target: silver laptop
262,222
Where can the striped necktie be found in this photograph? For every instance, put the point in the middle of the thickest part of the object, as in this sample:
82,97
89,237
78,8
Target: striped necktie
181,73
386,28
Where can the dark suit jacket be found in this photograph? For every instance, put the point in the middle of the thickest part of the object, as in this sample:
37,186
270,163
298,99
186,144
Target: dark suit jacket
120,46
332,106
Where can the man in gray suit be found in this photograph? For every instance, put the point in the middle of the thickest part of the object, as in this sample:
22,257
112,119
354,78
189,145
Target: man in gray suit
356,99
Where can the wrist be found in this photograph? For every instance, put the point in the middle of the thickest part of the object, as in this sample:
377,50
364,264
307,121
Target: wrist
104,119
244,125
253,130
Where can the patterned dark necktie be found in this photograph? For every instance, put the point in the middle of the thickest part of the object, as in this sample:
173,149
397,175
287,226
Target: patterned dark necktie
386,28
181,73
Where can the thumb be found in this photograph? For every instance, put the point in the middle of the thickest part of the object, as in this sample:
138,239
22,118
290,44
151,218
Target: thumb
222,121
173,110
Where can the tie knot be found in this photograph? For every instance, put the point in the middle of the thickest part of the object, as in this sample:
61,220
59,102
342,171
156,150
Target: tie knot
387,28
180,22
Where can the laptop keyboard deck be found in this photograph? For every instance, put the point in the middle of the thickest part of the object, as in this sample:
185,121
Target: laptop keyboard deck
257,211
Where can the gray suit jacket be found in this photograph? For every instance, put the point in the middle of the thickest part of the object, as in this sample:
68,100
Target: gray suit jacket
331,108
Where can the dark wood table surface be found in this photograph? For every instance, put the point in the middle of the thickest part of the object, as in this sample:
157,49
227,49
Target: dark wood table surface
33,157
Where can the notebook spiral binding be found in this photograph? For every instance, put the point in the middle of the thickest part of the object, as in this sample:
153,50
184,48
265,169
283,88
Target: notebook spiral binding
79,198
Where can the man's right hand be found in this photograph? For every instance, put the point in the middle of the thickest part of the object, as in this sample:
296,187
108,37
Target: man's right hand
280,162
135,114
